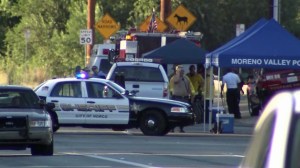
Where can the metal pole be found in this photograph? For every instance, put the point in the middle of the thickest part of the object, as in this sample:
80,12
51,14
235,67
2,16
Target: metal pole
211,87
205,88
276,10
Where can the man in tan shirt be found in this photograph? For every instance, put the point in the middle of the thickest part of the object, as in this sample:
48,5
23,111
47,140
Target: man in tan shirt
181,88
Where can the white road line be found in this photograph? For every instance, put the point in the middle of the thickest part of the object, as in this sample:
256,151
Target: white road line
116,160
67,166
156,154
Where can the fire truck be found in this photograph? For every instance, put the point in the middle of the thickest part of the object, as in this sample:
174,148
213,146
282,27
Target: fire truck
134,44
131,46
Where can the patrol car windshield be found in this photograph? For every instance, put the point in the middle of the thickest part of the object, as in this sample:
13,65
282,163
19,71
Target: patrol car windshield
10,98
119,88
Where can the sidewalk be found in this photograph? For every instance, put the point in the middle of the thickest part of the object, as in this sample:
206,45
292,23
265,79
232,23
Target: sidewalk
240,126
245,125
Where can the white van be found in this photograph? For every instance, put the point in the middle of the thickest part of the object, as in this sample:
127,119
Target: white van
99,57
147,79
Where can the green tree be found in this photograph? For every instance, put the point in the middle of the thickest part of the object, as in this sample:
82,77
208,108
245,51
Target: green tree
28,44
118,9
44,42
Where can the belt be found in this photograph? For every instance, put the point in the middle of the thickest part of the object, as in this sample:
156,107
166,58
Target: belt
232,88
181,97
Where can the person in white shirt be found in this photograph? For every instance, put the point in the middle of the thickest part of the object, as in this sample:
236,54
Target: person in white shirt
233,84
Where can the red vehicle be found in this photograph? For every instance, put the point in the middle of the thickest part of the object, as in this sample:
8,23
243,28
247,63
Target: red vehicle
273,81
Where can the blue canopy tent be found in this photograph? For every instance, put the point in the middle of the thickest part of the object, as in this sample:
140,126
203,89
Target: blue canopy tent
267,46
181,51
250,30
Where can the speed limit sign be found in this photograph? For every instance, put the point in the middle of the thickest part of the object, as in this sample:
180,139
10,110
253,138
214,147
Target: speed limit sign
86,36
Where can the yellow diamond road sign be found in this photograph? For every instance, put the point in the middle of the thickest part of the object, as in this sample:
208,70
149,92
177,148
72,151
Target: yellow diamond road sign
181,19
161,26
107,26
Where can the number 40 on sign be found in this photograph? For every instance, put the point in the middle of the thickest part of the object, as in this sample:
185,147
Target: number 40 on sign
86,36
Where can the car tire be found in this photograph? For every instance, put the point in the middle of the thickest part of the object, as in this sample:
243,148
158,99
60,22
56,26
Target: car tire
249,104
42,150
54,118
153,123
253,105
55,125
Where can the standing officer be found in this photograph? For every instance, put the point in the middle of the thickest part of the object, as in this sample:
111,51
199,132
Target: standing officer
181,88
232,81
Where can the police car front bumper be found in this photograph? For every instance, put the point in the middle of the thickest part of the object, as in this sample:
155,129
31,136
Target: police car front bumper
181,119
26,136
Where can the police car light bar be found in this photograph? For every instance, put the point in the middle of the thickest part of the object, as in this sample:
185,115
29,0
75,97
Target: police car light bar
139,60
82,75
158,61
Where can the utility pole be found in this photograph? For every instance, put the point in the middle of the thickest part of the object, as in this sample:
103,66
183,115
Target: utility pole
165,11
90,25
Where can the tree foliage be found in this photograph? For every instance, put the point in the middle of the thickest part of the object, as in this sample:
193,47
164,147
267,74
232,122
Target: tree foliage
44,42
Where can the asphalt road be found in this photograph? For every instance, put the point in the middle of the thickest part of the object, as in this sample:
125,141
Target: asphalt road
77,147
88,148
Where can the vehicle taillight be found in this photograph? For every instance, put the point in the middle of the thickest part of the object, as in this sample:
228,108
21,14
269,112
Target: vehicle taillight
105,51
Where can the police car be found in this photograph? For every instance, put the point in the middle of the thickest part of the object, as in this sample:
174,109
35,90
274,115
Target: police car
24,122
101,103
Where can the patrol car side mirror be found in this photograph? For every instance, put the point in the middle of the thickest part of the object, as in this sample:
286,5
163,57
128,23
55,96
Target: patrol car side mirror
42,102
50,106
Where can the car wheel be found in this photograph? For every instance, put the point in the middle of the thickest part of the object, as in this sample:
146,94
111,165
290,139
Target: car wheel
153,123
254,105
249,104
42,150
55,125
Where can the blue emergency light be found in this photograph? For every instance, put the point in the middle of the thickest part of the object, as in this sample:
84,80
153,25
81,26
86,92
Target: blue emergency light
82,75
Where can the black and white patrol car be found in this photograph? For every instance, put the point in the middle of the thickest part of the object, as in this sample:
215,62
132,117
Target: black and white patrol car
102,103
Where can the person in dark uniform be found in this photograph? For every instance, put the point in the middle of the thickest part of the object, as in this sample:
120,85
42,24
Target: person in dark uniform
233,84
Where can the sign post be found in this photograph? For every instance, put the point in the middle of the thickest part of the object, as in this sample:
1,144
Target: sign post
240,28
85,38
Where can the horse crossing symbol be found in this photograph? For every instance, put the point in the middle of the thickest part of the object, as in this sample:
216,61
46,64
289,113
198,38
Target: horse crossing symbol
181,19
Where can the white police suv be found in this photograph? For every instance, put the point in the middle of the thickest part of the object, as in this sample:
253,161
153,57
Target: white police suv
147,79
101,103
